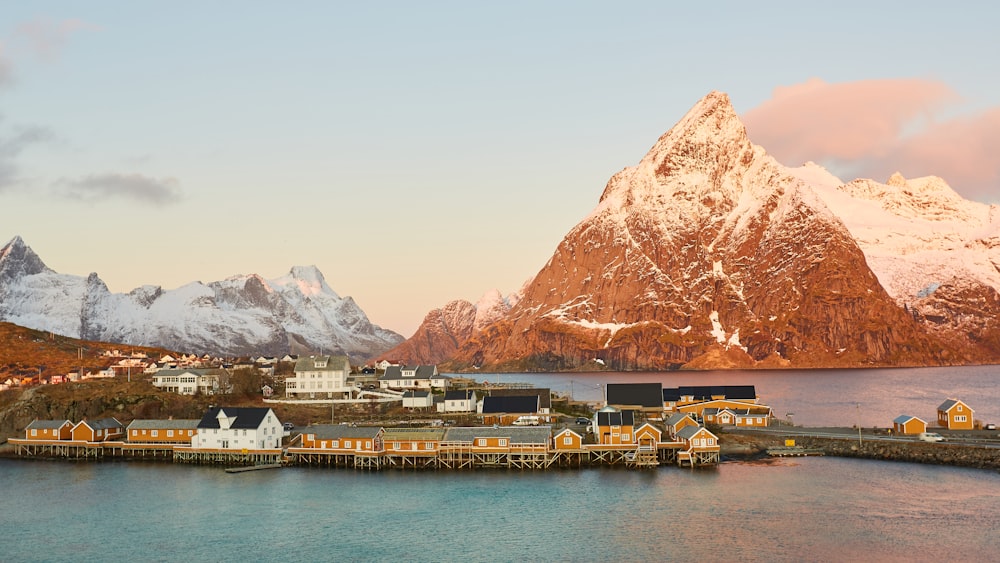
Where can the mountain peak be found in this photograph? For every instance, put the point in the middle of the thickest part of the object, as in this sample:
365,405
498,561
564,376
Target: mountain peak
17,259
897,180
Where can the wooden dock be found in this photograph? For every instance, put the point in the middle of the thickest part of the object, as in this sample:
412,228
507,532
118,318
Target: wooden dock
253,468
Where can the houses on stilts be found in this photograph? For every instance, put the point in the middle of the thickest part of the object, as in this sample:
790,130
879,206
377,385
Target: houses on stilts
635,429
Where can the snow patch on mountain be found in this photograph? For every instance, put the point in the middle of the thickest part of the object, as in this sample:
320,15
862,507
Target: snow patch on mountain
241,315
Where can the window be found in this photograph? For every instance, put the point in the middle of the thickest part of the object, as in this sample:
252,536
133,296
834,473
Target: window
395,445
34,432
481,442
334,443
368,445
347,443
626,436
959,408
503,441
135,432
960,418
155,433
568,440
170,433
429,446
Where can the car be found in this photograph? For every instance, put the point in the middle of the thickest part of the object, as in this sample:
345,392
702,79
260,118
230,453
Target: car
990,426
582,420
288,426
930,437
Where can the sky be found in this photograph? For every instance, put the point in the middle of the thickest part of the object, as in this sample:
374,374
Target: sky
422,152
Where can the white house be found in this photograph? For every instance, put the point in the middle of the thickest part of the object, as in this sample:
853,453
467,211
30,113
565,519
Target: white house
238,428
413,377
458,401
414,399
319,377
192,381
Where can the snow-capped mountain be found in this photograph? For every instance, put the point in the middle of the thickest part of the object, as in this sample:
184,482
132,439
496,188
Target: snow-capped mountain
709,253
242,315
443,331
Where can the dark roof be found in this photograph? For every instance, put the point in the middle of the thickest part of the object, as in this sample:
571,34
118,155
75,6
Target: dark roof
706,392
42,424
459,395
544,394
169,424
246,417
415,394
104,423
517,404
615,418
648,395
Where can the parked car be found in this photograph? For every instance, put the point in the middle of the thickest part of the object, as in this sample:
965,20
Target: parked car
288,426
990,426
582,420
526,420
931,437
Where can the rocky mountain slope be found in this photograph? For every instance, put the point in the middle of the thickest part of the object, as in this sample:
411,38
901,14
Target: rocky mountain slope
242,315
709,253
443,331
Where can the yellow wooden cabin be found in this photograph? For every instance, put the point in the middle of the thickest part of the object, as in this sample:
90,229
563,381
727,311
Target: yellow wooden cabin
906,424
342,438
615,427
100,430
412,441
953,414
49,430
568,439
170,431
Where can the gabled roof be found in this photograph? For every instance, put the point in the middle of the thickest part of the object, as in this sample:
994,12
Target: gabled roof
570,431
246,417
677,417
47,424
394,373
459,395
647,395
904,418
169,424
706,392
194,371
515,404
516,434
415,394
338,431
950,404
429,434
332,363
689,432
615,418
102,423
544,394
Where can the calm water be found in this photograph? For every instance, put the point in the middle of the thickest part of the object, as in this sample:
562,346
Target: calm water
873,397
812,509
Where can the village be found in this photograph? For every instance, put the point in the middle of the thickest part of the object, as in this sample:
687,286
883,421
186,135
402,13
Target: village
451,422
638,425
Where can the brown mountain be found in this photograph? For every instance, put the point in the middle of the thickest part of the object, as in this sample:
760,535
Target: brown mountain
708,253
443,331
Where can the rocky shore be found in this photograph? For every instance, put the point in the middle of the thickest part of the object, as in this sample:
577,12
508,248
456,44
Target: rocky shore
754,446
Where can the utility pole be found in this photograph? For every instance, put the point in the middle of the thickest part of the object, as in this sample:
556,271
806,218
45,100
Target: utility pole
859,424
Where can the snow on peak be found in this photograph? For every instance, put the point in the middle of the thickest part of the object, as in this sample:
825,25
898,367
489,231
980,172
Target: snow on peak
896,180
308,279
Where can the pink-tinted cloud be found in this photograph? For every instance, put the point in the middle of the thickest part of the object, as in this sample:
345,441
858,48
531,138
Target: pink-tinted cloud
45,38
872,128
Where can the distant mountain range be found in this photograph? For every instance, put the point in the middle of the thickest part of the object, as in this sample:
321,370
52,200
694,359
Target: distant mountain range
711,254
240,316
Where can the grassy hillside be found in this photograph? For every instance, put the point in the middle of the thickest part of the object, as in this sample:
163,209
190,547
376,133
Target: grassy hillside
34,353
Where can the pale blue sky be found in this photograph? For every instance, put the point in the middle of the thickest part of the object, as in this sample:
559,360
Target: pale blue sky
415,152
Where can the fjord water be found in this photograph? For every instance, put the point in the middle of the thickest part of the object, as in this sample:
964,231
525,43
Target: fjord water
807,509
833,397
810,509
